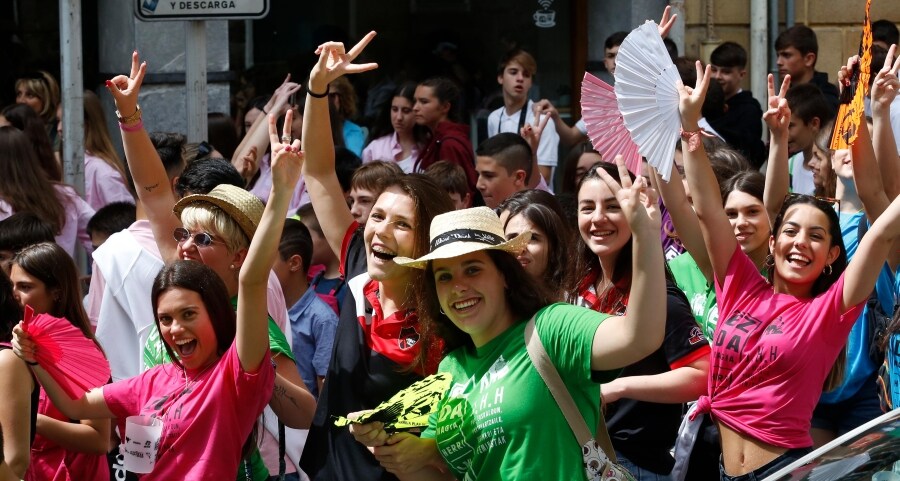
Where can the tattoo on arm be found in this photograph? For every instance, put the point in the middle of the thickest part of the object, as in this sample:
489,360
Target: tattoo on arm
150,188
280,392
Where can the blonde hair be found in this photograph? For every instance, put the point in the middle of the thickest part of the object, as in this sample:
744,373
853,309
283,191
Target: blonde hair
205,216
96,135
344,88
45,87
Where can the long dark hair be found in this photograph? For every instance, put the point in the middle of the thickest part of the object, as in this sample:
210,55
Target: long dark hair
22,183
383,124
569,178
197,277
824,281
543,210
23,118
586,262
525,297
445,90
749,182
429,200
50,264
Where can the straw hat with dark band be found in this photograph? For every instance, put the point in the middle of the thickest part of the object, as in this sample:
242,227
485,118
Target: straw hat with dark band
460,232
245,208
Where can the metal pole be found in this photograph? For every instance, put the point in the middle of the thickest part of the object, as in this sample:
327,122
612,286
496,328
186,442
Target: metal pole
195,80
72,99
677,32
789,17
72,91
773,28
248,44
759,49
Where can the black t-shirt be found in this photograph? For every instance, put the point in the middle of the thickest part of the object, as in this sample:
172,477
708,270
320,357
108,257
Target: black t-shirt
358,378
741,127
645,432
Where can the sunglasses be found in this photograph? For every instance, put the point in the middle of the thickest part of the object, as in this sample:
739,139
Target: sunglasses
201,239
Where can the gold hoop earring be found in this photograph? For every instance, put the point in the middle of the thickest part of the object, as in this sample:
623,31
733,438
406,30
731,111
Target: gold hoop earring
827,270
770,260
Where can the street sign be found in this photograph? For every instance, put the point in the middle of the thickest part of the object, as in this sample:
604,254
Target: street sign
149,10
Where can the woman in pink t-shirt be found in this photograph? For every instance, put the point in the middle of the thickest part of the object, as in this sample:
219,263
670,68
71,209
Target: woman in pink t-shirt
776,339
222,379
45,278
395,136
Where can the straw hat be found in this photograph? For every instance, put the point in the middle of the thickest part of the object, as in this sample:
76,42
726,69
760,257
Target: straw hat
460,232
245,208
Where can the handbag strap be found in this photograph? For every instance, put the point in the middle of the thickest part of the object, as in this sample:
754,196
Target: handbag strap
554,382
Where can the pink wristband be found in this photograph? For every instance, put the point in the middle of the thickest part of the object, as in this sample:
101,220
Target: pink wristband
132,127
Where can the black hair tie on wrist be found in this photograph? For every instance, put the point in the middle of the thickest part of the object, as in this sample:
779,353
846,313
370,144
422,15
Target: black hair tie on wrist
30,363
319,96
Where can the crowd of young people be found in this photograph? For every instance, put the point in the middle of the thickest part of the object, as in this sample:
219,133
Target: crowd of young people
245,332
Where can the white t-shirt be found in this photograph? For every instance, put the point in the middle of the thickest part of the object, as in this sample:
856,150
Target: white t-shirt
548,149
801,177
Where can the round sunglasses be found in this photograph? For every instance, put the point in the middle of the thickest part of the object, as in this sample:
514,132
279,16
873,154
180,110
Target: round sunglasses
202,239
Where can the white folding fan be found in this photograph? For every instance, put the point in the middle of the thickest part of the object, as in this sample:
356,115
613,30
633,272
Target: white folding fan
647,94
605,126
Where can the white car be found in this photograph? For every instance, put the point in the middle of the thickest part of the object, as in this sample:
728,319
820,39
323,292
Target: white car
869,452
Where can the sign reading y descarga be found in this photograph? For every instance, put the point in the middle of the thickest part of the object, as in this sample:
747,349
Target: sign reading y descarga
201,9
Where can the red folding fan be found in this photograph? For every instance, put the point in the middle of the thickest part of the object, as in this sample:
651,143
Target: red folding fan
71,359
605,125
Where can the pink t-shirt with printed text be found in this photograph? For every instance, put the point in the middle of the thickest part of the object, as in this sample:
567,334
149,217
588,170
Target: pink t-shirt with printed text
205,423
771,354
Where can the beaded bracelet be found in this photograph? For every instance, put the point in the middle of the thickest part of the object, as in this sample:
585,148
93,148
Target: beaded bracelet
693,138
132,127
319,96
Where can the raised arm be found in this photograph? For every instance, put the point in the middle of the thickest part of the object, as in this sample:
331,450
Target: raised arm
253,145
150,179
778,119
683,218
568,135
717,231
321,180
532,134
869,187
883,93
623,340
252,335
873,250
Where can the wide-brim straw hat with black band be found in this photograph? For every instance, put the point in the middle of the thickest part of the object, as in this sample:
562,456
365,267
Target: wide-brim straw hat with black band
460,232
245,208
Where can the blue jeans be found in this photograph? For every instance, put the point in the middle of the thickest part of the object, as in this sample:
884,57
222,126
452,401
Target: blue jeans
845,416
640,474
757,474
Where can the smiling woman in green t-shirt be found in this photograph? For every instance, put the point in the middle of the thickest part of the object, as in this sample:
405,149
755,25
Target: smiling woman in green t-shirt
498,414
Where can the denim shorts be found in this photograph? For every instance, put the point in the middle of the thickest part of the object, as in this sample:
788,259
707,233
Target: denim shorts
757,474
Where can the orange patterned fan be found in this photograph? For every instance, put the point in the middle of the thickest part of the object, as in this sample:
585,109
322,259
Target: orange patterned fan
851,112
